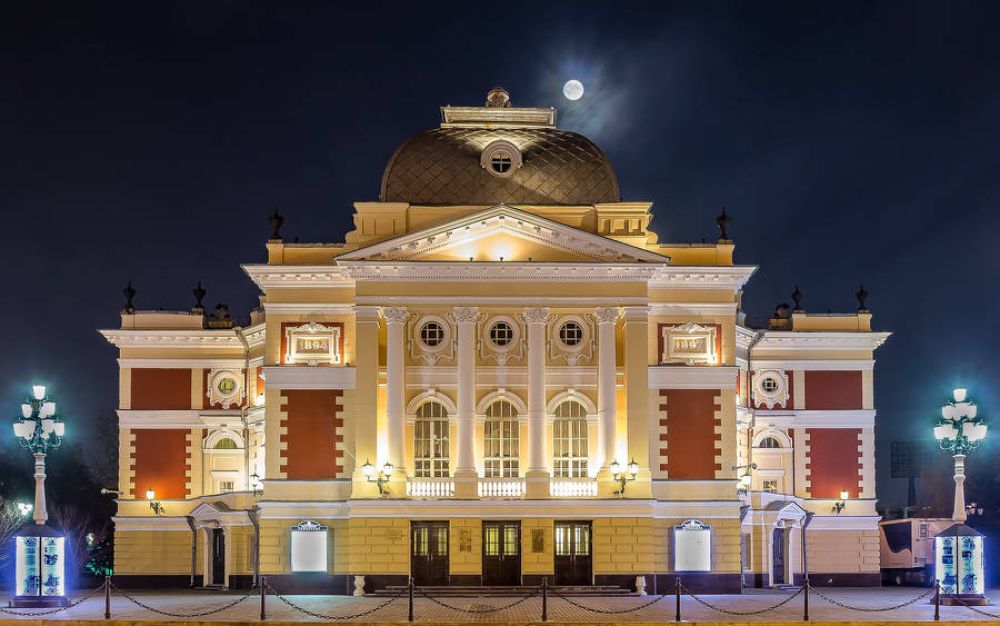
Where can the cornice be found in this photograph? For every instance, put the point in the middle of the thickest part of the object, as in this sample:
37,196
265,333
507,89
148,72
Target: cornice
728,277
194,338
692,377
182,418
298,276
759,363
698,309
435,271
854,418
820,340
306,377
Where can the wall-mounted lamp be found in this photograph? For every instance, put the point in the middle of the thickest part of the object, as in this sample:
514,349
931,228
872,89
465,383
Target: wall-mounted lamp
381,477
24,508
154,504
624,478
839,506
746,478
256,486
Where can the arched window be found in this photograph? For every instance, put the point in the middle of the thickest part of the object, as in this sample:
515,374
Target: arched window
500,436
769,442
226,444
430,441
569,440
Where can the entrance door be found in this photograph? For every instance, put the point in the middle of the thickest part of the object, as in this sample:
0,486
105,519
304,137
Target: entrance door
501,553
573,554
218,557
778,557
429,553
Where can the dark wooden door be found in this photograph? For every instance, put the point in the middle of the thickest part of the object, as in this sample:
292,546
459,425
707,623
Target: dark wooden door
574,563
429,553
218,557
778,557
501,553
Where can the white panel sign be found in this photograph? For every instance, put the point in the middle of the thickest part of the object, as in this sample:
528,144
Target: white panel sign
309,547
692,547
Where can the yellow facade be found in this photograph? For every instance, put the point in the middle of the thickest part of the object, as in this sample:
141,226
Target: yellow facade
505,358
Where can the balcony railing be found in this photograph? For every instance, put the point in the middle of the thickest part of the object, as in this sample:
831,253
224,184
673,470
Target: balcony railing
501,487
430,487
572,487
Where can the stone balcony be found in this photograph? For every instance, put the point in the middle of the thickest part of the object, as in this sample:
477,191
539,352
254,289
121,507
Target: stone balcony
513,487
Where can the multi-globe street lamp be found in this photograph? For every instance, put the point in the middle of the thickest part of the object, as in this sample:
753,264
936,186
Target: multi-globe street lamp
39,565
959,431
958,550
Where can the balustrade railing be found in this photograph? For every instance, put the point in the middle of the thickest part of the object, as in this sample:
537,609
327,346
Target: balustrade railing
572,487
430,487
501,487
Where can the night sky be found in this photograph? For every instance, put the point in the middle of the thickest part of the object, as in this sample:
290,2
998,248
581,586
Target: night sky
851,142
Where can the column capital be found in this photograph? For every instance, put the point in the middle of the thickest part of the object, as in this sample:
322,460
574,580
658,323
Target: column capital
465,314
635,313
536,315
607,315
394,315
367,313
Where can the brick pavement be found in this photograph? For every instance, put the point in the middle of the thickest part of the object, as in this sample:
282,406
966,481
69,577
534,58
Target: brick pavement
560,611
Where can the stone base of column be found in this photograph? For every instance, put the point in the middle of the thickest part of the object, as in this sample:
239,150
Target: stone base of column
466,484
536,484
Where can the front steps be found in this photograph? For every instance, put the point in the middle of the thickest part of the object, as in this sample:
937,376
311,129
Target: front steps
463,591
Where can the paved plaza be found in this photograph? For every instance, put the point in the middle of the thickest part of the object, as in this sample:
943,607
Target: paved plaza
185,606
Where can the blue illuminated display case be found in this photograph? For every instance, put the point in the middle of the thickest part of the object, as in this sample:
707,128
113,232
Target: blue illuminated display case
958,565
39,568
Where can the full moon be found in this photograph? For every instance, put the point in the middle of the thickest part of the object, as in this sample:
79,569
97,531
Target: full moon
573,89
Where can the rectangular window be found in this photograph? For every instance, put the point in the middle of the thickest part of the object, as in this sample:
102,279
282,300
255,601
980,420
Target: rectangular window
770,486
225,486
492,541
420,536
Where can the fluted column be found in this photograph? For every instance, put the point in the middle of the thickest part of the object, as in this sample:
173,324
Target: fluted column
607,413
537,475
395,385
465,464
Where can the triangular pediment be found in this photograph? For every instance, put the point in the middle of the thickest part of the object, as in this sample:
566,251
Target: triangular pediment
507,232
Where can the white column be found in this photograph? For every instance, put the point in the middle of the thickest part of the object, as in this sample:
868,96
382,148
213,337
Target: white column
465,465
537,474
395,373
41,509
958,515
606,391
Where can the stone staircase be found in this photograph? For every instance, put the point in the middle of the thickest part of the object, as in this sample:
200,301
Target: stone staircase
461,591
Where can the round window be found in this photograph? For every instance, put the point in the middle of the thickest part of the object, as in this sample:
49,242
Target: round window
501,162
501,334
571,334
769,384
501,158
226,386
432,334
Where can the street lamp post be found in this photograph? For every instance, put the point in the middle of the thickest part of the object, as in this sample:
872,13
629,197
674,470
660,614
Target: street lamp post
39,551
959,431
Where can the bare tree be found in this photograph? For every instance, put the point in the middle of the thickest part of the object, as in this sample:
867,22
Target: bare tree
76,525
10,521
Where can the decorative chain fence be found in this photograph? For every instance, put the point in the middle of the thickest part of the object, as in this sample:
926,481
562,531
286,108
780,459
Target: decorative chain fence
544,591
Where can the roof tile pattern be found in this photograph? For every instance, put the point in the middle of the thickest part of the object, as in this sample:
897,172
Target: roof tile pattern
441,167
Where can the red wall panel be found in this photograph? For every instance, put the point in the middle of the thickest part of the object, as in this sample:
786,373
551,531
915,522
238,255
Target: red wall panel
314,428
154,389
160,462
833,390
834,461
691,436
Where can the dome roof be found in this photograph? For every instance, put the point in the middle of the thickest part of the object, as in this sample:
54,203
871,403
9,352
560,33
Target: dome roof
444,166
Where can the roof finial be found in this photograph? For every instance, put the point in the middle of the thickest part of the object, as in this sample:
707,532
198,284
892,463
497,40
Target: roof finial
797,299
129,292
276,220
498,98
722,221
199,295
862,297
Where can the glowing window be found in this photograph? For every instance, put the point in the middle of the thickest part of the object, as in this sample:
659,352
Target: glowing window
569,440
430,441
500,434
226,444
769,442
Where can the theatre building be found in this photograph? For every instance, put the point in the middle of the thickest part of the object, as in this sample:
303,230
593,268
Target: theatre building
500,375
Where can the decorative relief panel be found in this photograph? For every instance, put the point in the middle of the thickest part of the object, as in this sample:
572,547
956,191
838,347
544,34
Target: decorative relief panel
770,388
313,344
225,387
690,344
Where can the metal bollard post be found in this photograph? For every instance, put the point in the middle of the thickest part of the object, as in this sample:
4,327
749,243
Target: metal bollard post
409,616
107,597
263,595
677,593
937,600
545,599
805,601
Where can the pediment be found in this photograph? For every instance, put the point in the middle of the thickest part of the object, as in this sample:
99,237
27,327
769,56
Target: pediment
507,232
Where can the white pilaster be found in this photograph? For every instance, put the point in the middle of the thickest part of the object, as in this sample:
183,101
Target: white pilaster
537,474
606,392
465,464
395,373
